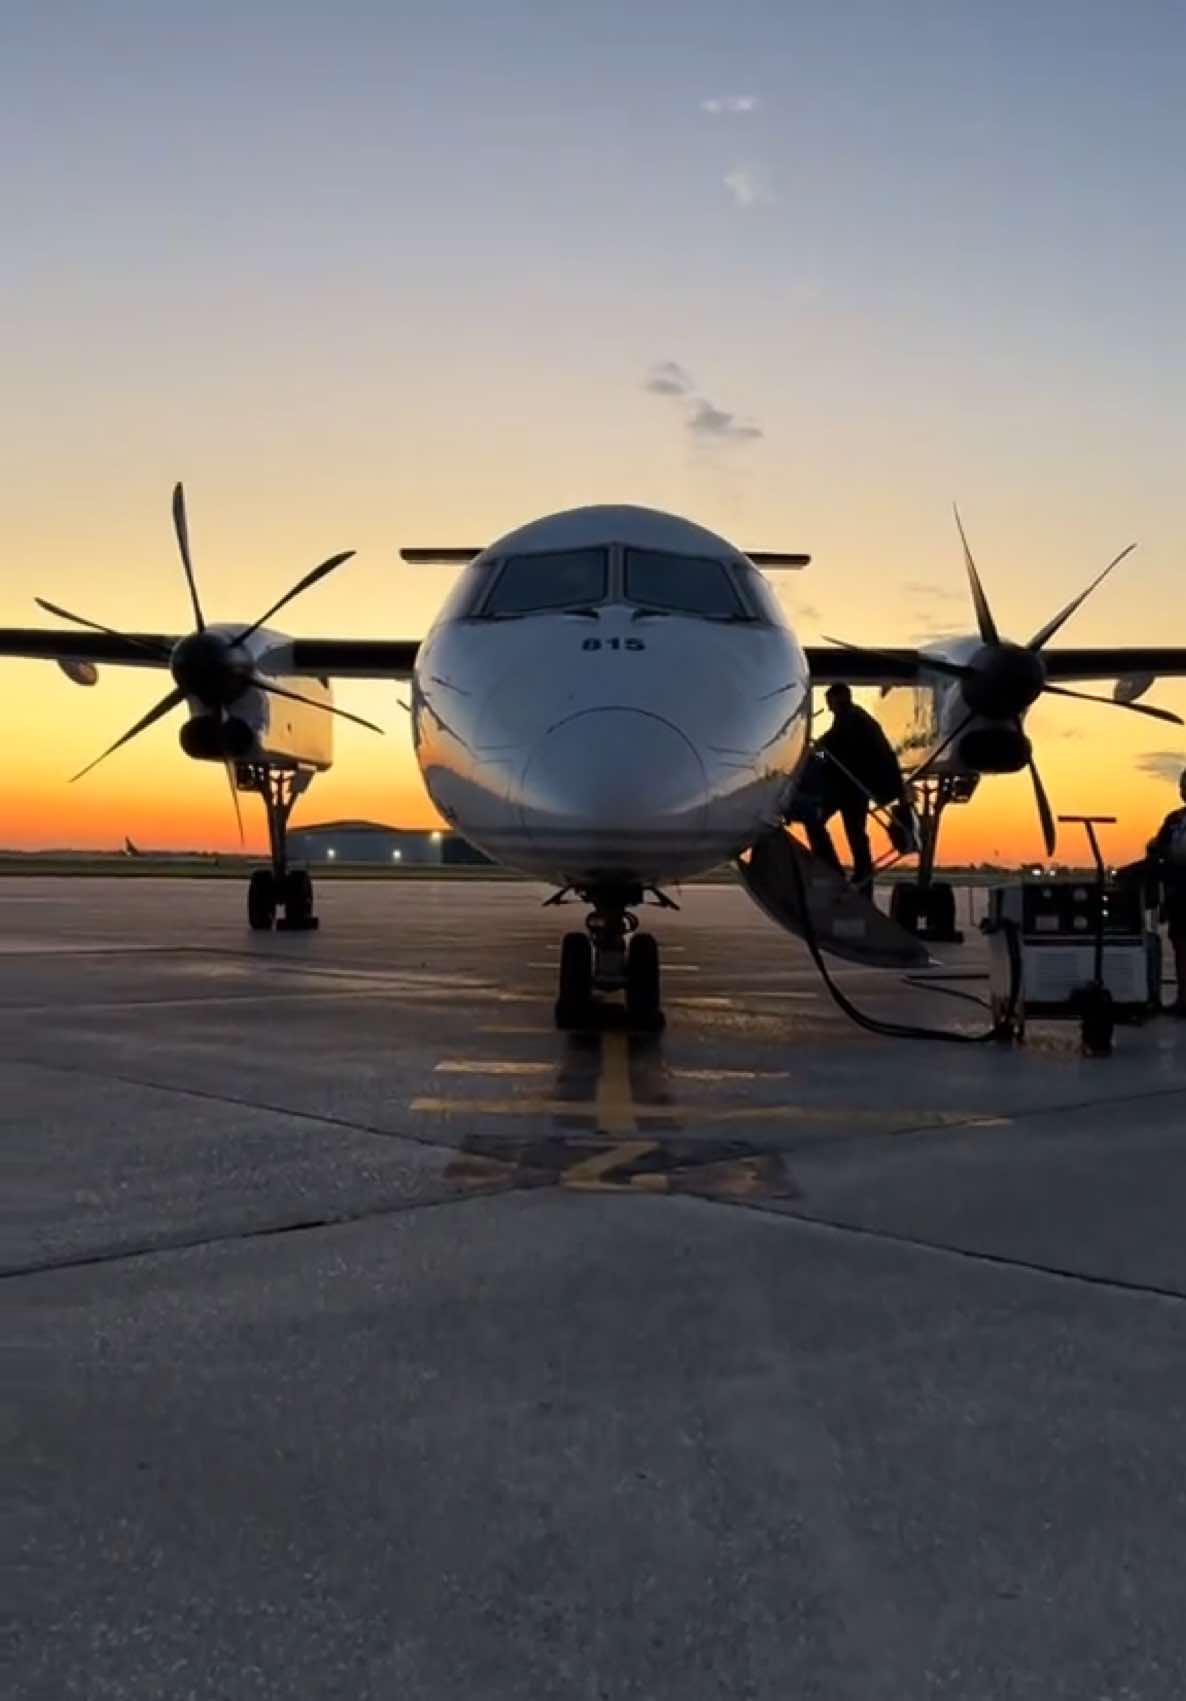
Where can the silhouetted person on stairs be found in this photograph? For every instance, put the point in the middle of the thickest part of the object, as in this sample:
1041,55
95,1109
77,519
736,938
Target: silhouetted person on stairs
859,767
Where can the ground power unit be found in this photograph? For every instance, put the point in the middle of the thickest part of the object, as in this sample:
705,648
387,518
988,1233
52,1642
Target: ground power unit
1071,933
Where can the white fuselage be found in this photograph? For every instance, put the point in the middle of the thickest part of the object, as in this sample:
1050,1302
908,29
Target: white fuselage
610,741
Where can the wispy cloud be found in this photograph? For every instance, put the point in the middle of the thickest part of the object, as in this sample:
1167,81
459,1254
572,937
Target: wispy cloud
718,105
1164,764
717,426
749,185
933,591
668,378
709,425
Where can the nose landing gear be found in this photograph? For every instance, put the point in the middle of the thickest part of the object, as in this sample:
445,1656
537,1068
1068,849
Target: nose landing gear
612,955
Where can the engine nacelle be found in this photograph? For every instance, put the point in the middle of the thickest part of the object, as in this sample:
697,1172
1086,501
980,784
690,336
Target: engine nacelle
206,738
995,749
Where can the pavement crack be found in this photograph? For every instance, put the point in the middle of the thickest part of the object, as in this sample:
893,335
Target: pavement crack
949,1249
131,1250
208,1096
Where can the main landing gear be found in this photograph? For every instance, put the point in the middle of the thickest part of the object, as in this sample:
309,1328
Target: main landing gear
926,906
612,955
279,887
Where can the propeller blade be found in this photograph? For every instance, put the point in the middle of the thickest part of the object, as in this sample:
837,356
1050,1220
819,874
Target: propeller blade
230,774
321,572
311,703
1047,632
181,527
1045,813
937,665
984,620
93,626
940,749
1112,703
145,721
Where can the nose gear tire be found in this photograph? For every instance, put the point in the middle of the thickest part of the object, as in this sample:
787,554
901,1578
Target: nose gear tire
575,996
644,1003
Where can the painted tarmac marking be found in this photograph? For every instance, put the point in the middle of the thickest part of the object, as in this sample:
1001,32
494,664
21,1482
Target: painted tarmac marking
730,1074
668,968
491,1066
651,1081
615,1084
576,1083
474,1169
910,1120
598,1170
707,1169
534,1028
615,1095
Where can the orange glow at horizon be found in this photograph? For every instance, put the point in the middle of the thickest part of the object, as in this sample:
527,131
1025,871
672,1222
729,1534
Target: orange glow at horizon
163,801
862,585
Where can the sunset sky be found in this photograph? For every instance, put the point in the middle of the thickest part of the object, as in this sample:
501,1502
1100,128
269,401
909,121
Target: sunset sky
373,274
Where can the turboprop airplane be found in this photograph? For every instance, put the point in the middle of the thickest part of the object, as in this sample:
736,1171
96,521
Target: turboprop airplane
611,700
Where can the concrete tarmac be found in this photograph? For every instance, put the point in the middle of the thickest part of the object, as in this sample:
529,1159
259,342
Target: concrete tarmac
368,1338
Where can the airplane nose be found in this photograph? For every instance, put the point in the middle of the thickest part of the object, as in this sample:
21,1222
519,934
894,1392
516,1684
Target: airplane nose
614,772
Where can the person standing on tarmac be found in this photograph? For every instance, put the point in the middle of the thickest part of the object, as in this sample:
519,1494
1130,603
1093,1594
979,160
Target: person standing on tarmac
1166,851
859,766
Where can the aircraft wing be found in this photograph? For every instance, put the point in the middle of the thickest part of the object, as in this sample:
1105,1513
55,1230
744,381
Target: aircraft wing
354,658
135,649
1160,661
831,665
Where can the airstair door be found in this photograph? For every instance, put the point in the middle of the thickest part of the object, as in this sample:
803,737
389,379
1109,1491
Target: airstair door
845,923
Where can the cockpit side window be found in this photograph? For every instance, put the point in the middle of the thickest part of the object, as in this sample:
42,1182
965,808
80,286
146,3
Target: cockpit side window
552,579
682,584
761,596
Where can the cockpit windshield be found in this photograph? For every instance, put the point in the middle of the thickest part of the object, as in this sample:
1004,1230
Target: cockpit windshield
554,579
682,584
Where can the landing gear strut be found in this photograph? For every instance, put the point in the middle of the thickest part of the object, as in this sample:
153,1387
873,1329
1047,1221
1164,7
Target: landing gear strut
610,956
278,887
926,906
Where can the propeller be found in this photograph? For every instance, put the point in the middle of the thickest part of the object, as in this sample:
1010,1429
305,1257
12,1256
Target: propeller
210,666
263,684
181,527
984,620
1045,813
230,775
1001,680
142,725
322,572
1117,703
94,626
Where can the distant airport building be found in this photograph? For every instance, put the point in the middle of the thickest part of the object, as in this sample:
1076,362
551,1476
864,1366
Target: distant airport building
372,843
